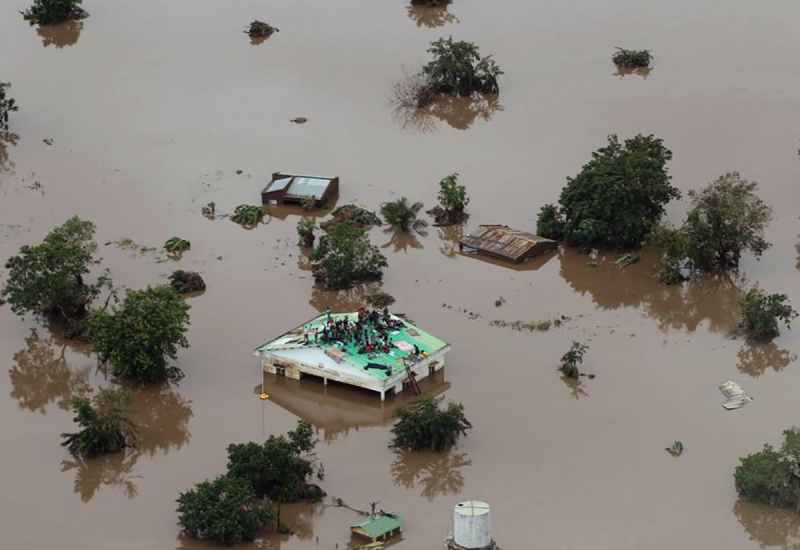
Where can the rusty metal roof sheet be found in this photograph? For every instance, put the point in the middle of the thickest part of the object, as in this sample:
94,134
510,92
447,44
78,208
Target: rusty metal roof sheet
504,241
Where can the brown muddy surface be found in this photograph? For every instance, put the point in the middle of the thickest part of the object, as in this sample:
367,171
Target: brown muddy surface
152,107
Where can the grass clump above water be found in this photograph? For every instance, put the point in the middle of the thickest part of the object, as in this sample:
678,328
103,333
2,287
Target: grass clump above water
424,425
51,12
177,246
632,59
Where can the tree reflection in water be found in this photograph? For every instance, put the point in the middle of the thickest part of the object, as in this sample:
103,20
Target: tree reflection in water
63,34
113,470
643,72
436,473
41,375
450,236
401,241
431,17
710,300
7,140
342,301
767,526
755,358
457,112
575,387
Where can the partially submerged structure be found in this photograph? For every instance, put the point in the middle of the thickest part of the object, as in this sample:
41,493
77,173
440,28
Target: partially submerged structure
379,526
296,189
380,352
500,241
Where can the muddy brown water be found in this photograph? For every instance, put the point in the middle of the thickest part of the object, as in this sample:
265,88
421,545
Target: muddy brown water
153,107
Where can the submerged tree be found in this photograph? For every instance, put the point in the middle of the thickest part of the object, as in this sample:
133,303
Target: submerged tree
425,425
457,68
346,256
48,279
402,216
453,201
177,246
225,510
305,230
7,105
762,313
772,476
51,12
139,337
104,424
248,215
617,198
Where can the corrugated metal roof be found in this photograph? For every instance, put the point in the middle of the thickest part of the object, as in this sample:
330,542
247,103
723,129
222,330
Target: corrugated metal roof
504,241
309,187
378,525
278,185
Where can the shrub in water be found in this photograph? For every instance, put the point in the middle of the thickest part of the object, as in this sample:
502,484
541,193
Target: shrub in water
761,314
424,425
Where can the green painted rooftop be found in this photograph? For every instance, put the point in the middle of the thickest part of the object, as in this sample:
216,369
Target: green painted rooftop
378,525
293,345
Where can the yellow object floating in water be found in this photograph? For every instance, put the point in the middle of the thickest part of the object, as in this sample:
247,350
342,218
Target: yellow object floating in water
264,396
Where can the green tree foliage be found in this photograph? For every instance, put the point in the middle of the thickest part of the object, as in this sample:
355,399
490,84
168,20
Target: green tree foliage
7,105
425,425
305,230
401,215
453,198
772,476
248,215
48,278
139,337
177,246
549,223
572,360
617,197
104,424
345,256
457,68
726,218
280,468
224,510
632,59
761,314
51,12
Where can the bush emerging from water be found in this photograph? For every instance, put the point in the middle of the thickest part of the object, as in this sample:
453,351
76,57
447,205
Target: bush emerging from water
453,201
177,246
354,215
260,29
104,424
402,216
762,313
186,282
51,12
457,68
617,198
49,279
632,59
345,256
572,360
772,476
425,425
305,230
225,510
140,336
7,105
248,215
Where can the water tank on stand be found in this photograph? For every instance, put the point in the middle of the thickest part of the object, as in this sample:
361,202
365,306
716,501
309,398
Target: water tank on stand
472,526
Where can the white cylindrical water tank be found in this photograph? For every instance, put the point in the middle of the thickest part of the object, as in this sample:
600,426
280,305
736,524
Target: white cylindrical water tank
472,526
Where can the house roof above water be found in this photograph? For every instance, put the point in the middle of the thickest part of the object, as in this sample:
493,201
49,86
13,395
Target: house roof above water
378,525
300,186
345,356
508,243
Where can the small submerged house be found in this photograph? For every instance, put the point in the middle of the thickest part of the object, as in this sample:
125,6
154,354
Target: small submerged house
379,526
500,241
376,351
295,189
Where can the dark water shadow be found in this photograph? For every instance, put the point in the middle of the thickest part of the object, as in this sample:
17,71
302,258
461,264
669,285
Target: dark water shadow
284,211
754,359
162,418
336,409
532,264
449,237
436,474
7,141
430,17
41,375
401,241
459,113
642,72
575,386
342,301
710,300
61,35
767,526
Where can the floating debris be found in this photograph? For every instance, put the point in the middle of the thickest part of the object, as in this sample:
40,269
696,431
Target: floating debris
299,120
186,282
48,141
177,246
260,29
627,259
209,210
531,326
735,396
129,244
676,449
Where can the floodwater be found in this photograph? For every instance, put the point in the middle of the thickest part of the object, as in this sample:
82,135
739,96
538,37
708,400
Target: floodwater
149,109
